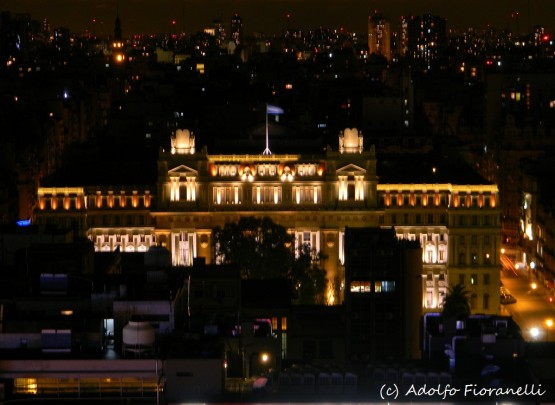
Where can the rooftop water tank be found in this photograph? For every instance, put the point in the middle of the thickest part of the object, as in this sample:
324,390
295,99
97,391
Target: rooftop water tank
138,337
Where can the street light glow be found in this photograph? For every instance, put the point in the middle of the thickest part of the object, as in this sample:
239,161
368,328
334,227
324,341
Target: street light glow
535,332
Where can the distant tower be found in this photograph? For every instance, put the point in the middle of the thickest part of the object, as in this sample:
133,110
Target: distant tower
117,27
117,43
379,36
237,29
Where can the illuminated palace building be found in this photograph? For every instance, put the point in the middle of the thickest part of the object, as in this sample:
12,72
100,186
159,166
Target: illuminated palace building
316,197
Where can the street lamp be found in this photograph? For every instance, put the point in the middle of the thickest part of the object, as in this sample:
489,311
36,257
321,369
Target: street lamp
263,358
535,332
549,324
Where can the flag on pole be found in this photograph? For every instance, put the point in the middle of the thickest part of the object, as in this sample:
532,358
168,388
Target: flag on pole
270,110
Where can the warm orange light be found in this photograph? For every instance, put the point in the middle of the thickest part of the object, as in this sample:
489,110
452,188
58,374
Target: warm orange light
492,201
455,200
135,200
111,200
424,199
78,202
98,200
147,199
213,169
387,199
66,202
41,203
412,199
54,202
321,168
122,199
480,201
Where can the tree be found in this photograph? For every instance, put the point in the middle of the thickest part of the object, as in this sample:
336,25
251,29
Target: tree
260,247
263,249
456,303
310,280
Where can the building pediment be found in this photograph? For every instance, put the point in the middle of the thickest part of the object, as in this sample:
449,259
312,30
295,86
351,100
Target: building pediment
350,169
182,171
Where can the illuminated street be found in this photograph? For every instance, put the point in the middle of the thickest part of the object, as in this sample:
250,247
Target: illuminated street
533,311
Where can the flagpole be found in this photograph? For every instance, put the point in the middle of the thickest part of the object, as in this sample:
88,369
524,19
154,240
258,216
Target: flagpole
267,150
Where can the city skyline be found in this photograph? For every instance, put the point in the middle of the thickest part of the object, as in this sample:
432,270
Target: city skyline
148,16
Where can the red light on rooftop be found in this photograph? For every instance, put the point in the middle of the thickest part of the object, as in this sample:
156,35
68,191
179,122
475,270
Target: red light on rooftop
545,38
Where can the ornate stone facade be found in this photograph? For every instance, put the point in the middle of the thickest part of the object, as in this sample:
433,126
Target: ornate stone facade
314,196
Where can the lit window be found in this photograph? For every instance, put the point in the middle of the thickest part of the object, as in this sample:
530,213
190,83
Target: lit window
360,286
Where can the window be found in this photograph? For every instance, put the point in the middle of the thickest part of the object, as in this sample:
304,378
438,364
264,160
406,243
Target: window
308,238
486,301
462,258
474,279
418,219
343,189
443,219
184,248
266,195
461,279
384,286
227,195
486,279
394,219
462,220
360,286
429,298
430,218
473,301
306,194
474,258
474,220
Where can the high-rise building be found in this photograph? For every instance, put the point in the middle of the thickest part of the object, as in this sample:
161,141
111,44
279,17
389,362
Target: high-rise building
379,36
237,29
427,39
381,295
450,211
403,40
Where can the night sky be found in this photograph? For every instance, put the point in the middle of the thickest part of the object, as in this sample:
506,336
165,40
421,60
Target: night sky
269,16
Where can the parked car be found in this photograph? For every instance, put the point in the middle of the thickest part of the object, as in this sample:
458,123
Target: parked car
507,299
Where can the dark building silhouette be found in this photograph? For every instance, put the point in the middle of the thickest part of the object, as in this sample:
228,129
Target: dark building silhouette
383,293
